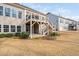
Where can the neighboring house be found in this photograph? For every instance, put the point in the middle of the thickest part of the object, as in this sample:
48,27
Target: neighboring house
61,23
77,25
18,18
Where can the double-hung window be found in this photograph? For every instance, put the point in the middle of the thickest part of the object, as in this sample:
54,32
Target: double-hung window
42,18
18,28
33,16
61,21
36,17
7,12
28,17
20,14
14,13
12,28
1,10
6,28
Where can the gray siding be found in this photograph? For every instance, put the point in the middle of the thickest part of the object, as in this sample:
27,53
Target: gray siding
61,23
53,19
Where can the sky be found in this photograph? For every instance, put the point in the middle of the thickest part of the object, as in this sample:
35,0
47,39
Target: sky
68,10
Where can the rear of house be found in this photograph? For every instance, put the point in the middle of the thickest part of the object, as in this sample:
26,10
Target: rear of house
18,18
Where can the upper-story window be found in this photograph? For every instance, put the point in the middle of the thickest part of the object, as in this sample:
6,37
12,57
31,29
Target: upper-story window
14,13
7,12
78,23
36,17
61,21
33,16
73,22
28,17
1,10
20,14
42,18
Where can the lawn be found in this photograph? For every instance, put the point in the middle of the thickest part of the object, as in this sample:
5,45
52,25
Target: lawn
67,44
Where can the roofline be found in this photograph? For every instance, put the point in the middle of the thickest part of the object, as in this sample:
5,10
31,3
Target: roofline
62,17
25,7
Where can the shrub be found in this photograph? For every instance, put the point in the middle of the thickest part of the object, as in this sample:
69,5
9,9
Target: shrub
2,35
17,34
24,35
53,35
8,35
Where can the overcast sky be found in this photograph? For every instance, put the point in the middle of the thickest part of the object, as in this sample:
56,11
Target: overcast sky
69,10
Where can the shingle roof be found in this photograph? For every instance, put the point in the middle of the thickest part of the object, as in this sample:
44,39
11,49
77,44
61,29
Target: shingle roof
25,7
63,17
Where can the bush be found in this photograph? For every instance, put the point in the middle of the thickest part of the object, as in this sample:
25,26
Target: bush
2,35
53,35
17,34
24,35
8,35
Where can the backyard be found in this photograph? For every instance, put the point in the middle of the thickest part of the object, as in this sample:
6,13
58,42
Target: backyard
67,44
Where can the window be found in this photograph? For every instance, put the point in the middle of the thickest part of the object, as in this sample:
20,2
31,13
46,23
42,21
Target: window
7,12
12,28
36,17
19,14
18,28
1,10
61,21
66,22
14,13
78,23
32,16
42,18
6,28
28,17
27,28
0,28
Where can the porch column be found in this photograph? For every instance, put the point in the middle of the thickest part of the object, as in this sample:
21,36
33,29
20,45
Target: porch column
31,29
48,29
31,26
40,28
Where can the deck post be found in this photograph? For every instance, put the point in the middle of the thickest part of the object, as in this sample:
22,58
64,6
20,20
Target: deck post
31,27
48,28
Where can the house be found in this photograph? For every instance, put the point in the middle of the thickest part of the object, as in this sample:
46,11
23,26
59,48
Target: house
18,18
77,25
15,17
61,23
